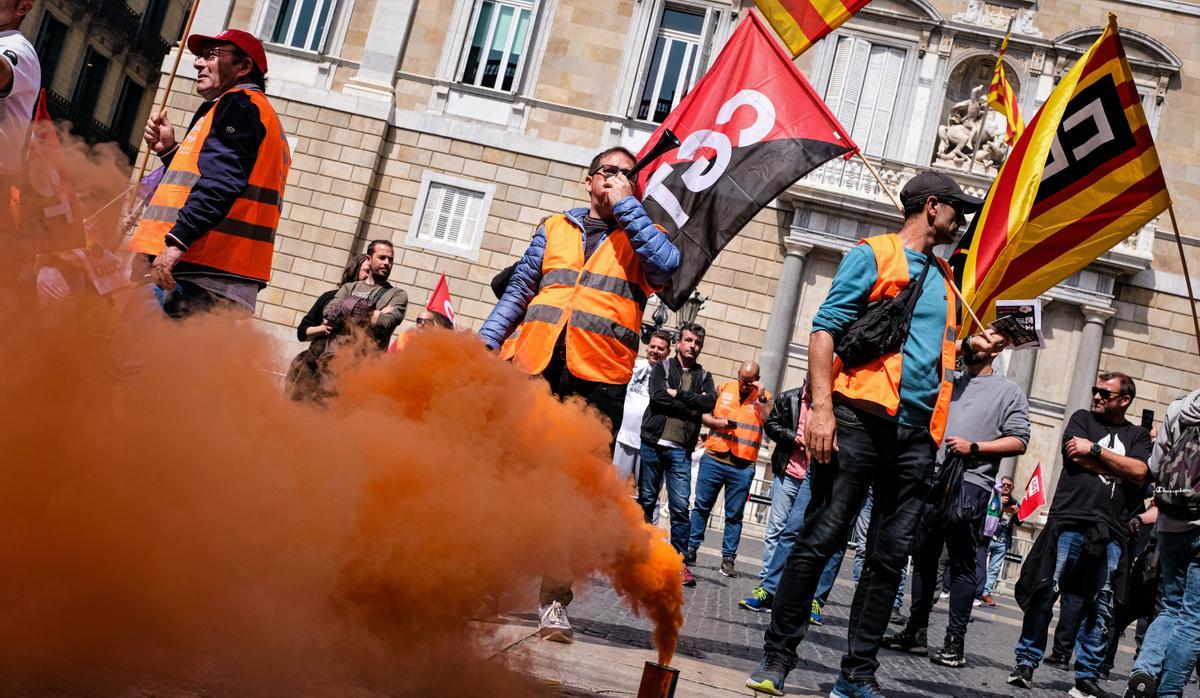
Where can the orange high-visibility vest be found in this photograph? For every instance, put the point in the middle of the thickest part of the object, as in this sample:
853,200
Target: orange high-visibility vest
878,381
745,438
599,304
244,241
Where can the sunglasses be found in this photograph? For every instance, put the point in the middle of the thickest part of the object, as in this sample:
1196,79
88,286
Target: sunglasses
608,171
960,208
425,321
1104,393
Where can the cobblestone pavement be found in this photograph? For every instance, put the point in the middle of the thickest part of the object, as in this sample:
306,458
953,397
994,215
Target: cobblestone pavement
717,631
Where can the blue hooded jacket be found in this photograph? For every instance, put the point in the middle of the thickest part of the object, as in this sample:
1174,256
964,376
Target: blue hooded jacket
660,259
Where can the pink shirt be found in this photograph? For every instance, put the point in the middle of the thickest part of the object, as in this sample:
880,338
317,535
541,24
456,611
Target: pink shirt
797,465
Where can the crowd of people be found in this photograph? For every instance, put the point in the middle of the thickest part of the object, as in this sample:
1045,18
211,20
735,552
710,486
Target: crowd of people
896,438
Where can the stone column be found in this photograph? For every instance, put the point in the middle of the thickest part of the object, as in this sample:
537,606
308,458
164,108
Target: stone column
1087,358
385,43
773,361
1021,365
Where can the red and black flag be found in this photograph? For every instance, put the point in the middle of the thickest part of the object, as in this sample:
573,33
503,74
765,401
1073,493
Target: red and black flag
750,128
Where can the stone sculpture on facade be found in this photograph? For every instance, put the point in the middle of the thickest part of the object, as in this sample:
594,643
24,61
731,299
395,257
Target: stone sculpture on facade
960,143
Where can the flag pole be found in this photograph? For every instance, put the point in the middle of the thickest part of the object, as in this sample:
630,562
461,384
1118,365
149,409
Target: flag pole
187,30
900,208
987,104
1186,277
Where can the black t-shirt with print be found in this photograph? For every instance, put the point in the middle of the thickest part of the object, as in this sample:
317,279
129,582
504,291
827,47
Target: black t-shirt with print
1082,495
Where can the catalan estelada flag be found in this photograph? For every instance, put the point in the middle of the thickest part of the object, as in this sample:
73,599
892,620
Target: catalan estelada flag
1082,177
1003,100
801,23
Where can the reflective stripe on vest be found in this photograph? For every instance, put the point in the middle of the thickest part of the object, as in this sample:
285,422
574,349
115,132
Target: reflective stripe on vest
745,438
878,381
598,304
243,242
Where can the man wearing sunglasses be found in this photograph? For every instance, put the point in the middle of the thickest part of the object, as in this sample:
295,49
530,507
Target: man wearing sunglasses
1102,480
207,236
572,310
874,426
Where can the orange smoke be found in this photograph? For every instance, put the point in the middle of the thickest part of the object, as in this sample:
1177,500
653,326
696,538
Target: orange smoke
167,517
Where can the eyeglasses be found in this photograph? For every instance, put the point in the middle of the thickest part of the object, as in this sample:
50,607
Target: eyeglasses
210,54
1104,393
608,171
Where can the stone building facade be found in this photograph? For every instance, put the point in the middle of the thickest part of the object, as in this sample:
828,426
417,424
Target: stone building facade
451,127
101,62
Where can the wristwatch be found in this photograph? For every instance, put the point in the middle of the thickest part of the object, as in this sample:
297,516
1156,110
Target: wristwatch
1094,451
974,449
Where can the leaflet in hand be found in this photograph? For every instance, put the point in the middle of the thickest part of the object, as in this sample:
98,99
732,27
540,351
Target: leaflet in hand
1021,322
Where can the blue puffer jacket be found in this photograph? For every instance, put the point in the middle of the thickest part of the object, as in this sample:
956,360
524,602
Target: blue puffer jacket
660,259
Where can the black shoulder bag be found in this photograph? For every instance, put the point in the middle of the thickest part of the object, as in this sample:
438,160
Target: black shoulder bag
883,328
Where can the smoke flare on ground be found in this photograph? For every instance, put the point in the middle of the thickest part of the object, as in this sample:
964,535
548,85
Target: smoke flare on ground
168,518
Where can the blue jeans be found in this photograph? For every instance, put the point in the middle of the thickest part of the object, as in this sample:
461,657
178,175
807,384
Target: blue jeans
996,551
861,524
1173,640
712,477
660,463
1091,643
789,501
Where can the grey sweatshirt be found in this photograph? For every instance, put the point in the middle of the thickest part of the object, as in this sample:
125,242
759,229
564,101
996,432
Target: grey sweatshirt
985,408
1181,413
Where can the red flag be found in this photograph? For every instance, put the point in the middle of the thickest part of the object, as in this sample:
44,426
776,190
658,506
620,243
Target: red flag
1035,495
439,301
749,128
50,215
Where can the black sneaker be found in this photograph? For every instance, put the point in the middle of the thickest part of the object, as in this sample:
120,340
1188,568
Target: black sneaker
908,640
897,617
1141,685
727,567
1021,676
1088,688
951,654
689,558
1057,659
1104,674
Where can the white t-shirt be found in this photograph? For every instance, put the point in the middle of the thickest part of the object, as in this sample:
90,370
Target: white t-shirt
16,108
637,398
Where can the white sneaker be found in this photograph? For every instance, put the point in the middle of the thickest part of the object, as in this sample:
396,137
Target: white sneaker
554,625
976,604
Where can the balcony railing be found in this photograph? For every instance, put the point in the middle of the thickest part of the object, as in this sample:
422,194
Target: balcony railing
853,178
128,24
83,124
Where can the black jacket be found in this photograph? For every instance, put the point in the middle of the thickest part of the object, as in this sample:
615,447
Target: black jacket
781,427
688,405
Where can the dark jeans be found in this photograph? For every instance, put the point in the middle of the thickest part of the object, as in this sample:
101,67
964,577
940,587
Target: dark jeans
609,400
674,465
189,299
1070,611
898,461
961,542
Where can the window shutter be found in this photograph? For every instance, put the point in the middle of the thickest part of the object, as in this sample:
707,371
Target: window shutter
891,65
451,216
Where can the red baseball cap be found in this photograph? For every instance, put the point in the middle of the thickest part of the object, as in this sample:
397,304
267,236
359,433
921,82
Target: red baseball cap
247,42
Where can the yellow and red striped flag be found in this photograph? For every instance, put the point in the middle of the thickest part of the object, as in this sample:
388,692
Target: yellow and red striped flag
801,23
1002,98
1082,177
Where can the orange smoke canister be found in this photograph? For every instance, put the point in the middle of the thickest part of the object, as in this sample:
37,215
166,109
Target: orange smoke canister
658,681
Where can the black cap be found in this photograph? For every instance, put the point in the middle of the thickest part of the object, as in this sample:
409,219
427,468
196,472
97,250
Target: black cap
937,184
